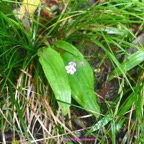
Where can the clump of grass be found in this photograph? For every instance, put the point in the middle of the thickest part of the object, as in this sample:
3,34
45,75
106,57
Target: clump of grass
29,110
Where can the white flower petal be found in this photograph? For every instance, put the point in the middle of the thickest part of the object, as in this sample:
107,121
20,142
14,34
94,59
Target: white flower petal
67,67
73,70
72,63
70,69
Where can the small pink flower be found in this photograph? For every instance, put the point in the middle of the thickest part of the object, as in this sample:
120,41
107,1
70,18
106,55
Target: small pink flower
81,63
70,69
72,63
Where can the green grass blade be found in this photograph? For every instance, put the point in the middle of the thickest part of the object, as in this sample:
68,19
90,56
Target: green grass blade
133,60
101,123
19,112
127,104
55,73
6,9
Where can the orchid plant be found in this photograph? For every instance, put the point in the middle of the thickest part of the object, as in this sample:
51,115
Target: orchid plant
69,74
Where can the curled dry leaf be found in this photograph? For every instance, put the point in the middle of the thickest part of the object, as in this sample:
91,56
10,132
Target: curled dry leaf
50,8
28,7
25,12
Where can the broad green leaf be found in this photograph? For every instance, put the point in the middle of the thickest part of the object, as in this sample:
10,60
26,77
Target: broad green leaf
68,47
133,60
55,73
82,84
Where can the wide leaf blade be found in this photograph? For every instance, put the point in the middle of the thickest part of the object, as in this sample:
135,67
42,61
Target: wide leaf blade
82,84
55,73
68,47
